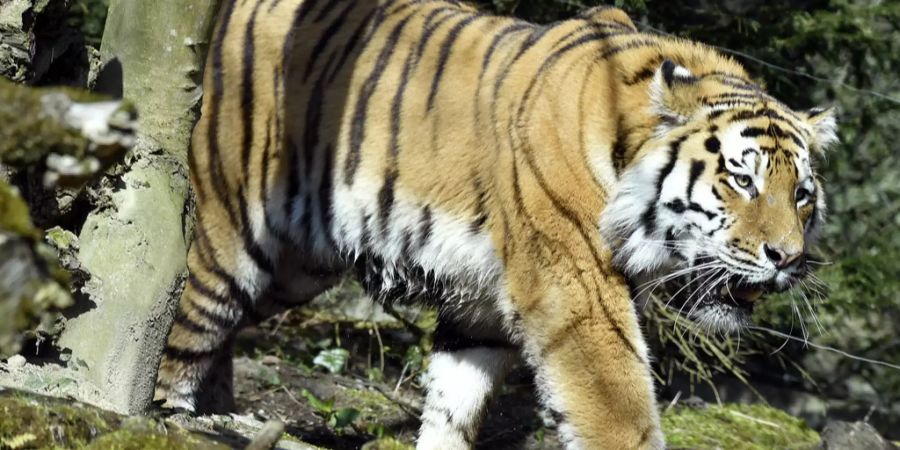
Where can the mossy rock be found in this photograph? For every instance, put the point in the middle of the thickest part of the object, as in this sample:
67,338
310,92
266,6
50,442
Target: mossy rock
375,409
144,434
33,286
31,421
14,216
736,426
387,443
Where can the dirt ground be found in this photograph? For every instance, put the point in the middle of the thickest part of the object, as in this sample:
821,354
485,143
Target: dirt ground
277,377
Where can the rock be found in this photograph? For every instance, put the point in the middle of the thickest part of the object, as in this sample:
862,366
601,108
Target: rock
271,360
841,435
727,426
36,45
33,288
16,362
35,421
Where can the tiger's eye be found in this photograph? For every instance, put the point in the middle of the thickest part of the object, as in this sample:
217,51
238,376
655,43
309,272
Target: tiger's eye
801,194
743,181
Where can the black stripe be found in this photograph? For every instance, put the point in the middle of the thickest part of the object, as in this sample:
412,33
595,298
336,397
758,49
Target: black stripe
247,65
492,47
481,214
303,10
446,48
262,261
188,355
557,54
647,72
752,132
325,192
200,288
697,208
425,226
697,167
532,39
350,46
730,96
196,182
326,10
386,199
386,194
768,113
430,27
212,317
620,145
186,322
648,218
293,179
366,234
715,114
314,118
358,125
495,42
612,51
729,104
235,292
218,179
326,37
264,184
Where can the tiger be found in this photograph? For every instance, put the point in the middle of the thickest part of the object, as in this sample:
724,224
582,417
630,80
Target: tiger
522,179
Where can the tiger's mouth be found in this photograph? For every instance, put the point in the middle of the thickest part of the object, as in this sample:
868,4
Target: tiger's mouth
730,295
737,293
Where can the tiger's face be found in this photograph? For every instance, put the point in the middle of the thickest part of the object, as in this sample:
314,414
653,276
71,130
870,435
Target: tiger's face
723,199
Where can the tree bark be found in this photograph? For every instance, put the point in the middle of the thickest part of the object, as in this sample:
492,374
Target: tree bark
134,243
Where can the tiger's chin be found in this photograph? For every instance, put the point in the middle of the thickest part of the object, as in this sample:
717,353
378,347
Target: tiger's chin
724,307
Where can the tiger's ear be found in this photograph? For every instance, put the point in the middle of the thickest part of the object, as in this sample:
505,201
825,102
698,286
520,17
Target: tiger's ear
674,93
823,125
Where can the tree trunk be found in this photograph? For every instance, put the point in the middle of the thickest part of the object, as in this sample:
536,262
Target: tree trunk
134,243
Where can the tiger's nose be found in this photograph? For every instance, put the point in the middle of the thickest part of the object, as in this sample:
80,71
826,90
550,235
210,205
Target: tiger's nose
779,257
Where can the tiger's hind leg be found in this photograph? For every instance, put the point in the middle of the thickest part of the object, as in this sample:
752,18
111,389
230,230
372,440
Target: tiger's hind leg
225,280
196,373
462,376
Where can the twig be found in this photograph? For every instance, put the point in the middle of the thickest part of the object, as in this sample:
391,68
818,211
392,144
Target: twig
754,419
281,318
673,402
827,348
380,347
267,437
400,379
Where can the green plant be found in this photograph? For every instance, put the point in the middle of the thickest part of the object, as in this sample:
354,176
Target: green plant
336,419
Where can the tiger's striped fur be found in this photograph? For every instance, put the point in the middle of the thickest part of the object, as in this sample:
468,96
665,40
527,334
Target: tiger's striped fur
470,160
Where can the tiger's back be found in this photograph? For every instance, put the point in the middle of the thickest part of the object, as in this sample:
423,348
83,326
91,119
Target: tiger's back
441,154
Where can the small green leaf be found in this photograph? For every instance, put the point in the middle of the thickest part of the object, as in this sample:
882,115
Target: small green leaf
344,417
322,407
333,359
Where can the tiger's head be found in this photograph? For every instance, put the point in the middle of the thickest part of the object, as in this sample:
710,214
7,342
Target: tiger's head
722,197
